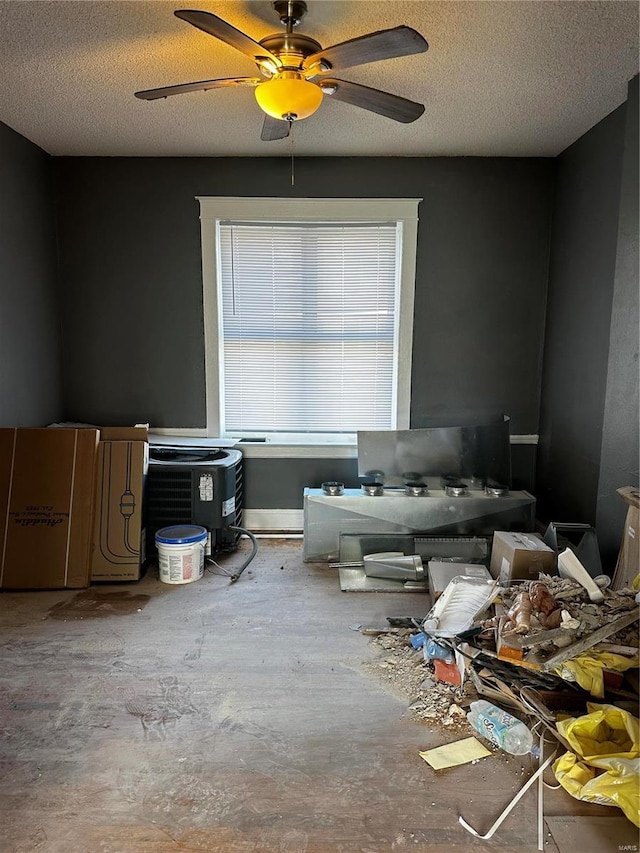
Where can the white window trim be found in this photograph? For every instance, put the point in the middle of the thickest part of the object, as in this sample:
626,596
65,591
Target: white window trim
214,209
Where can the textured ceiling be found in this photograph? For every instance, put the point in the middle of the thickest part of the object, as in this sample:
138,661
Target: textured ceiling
511,78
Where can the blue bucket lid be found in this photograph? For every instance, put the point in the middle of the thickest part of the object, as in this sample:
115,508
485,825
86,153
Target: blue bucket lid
181,534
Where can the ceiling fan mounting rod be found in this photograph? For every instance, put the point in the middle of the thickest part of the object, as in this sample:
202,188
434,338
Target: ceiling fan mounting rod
291,12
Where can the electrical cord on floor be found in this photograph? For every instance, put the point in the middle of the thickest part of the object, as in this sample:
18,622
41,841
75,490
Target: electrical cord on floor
254,551
228,573
219,570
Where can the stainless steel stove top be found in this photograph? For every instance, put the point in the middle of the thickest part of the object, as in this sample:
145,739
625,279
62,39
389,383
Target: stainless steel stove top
394,511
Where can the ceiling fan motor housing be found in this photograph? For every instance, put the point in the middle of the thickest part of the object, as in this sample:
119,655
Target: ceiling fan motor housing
290,48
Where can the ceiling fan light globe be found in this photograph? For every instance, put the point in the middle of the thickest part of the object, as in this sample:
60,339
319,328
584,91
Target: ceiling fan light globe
287,95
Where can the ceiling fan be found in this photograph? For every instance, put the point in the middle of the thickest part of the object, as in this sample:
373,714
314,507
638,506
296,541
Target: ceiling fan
296,69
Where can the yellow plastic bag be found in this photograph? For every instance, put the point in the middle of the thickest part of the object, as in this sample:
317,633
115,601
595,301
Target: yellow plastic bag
605,768
587,669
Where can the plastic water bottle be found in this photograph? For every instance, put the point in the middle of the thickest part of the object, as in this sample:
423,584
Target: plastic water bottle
501,728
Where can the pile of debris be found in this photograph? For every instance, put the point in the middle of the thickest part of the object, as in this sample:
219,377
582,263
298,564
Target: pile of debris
548,622
554,655
553,602
539,647
405,671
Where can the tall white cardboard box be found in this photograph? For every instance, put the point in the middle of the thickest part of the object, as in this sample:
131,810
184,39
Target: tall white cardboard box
118,530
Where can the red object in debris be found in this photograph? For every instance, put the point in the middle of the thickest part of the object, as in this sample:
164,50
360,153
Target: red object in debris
448,672
612,680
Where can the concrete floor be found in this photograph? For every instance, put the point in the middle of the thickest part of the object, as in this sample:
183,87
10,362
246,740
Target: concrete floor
149,718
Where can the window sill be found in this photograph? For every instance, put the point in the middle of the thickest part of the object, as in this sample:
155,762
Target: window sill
299,447
293,447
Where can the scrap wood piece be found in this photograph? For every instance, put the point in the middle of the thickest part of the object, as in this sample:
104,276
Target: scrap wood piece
534,704
484,687
502,690
546,636
614,648
375,632
591,640
547,704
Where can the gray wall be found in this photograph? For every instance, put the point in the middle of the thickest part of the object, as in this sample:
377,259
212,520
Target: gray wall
620,439
30,379
588,362
132,299
280,485
132,311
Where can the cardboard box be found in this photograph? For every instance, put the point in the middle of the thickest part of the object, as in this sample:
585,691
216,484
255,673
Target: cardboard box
118,530
46,507
520,556
441,573
628,564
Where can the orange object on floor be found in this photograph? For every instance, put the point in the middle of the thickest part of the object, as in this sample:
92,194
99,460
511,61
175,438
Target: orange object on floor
448,672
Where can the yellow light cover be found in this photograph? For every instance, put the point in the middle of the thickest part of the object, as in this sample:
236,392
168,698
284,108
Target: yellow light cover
288,95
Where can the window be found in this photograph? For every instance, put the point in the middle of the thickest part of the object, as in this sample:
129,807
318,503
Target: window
308,316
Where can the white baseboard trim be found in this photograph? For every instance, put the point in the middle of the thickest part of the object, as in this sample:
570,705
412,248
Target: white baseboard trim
272,519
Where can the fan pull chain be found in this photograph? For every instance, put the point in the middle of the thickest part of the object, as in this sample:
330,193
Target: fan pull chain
293,177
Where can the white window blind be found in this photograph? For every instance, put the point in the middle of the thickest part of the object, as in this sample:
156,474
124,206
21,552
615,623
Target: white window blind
308,325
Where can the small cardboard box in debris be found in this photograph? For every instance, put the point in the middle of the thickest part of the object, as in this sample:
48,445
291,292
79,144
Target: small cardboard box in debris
520,556
441,574
628,565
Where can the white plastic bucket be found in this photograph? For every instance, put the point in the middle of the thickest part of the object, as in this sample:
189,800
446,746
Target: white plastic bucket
181,551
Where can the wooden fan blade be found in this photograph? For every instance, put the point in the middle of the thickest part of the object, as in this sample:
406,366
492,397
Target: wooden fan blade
274,128
202,86
375,100
384,44
215,26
